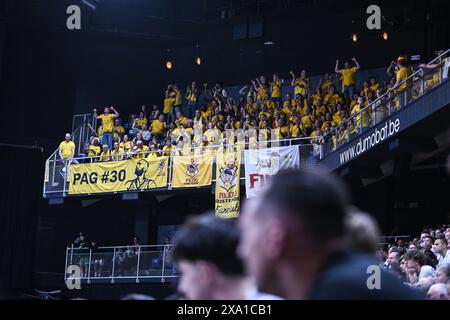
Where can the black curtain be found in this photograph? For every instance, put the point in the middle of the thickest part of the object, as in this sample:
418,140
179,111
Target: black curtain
20,192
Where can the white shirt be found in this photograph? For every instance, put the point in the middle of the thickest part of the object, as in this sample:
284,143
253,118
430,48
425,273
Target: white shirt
442,260
426,271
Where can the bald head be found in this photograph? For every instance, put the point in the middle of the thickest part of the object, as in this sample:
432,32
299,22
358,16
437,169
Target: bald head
438,292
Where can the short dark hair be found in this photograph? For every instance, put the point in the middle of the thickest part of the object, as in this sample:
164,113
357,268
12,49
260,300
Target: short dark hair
443,240
319,199
211,239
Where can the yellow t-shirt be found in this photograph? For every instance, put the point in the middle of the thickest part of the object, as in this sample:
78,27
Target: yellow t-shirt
168,102
93,151
374,87
262,91
119,131
402,75
125,145
276,89
178,98
107,122
140,122
158,127
349,76
67,149
181,122
116,155
167,150
105,156
301,86
307,122
294,130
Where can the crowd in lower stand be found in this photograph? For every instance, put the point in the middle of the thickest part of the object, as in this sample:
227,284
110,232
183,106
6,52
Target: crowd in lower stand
423,262
205,117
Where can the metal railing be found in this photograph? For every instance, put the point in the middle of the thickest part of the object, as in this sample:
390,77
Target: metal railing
409,90
82,126
129,263
57,169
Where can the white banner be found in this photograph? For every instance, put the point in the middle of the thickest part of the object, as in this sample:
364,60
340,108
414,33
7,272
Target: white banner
263,163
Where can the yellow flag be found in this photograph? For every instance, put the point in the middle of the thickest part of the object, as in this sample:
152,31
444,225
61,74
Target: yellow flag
228,172
128,175
192,171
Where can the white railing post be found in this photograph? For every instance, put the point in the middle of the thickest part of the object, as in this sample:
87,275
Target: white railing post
89,266
169,184
163,264
65,269
113,265
138,264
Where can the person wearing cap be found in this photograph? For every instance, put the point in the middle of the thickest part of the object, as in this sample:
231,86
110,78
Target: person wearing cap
400,85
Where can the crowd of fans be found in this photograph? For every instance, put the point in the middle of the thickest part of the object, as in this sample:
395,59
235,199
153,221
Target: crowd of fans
206,117
423,263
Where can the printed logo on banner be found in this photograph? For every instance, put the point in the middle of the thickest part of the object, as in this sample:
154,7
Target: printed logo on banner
141,182
192,168
228,176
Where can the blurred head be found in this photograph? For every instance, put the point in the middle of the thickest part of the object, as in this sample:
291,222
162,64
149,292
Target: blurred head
443,274
67,137
205,252
438,292
363,231
105,147
95,142
106,110
125,138
117,122
300,213
116,146
347,65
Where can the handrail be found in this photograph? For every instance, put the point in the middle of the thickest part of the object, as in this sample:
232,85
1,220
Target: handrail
382,97
173,151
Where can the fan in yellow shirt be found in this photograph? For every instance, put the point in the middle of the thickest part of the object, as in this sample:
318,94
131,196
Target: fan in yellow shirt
67,147
301,85
158,126
117,153
276,88
348,77
119,131
105,155
94,149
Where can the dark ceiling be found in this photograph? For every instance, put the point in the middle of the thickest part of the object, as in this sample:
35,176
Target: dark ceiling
180,22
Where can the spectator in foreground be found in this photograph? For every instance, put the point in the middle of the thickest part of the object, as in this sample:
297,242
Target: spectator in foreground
438,292
416,268
293,242
205,252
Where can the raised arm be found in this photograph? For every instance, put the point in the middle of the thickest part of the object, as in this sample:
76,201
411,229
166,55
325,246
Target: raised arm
356,63
116,114
336,68
95,115
293,78
242,91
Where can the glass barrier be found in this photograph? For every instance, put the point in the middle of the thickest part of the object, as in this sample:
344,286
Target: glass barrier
111,264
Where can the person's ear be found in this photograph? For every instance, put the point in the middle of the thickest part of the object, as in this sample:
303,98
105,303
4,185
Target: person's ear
275,238
206,272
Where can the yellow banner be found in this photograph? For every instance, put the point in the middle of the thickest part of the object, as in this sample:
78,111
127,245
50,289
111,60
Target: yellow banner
228,172
191,172
128,175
